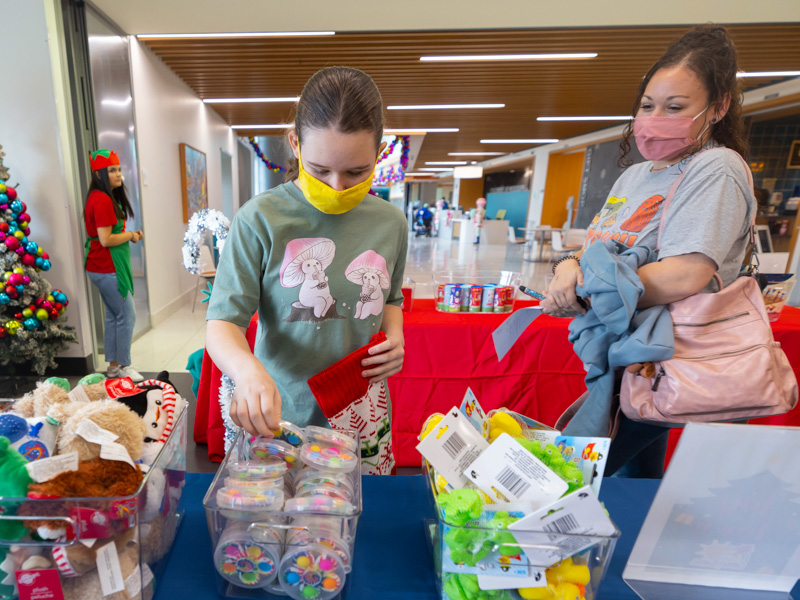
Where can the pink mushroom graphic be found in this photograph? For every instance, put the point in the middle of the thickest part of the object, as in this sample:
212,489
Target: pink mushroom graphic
369,271
304,264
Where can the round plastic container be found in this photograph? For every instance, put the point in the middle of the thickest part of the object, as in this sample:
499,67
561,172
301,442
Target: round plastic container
249,500
327,492
329,436
291,434
312,572
270,451
257,470
256,484
245,562
478,292
327,457
314,478
319,505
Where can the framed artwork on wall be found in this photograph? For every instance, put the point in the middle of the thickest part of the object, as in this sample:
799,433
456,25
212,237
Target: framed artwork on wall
194,180
794,156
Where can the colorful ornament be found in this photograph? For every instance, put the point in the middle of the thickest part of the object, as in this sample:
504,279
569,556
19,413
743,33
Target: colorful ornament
31,324
27,313
13,326
41,314
46,265
11,242
12,195
270,165
4,299
16,206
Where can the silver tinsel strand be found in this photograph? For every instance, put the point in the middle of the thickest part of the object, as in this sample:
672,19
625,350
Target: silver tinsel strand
226,388
206,219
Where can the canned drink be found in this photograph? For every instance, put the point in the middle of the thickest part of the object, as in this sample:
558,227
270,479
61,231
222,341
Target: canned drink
509,306
475,298
466,294
499,304
453,296
487,298
441,299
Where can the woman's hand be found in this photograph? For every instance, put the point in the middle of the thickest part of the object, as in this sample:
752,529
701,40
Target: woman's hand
136,236
562,301
386,358
256,403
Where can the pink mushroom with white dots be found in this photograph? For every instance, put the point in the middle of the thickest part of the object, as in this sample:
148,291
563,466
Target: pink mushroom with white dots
304,264
369,271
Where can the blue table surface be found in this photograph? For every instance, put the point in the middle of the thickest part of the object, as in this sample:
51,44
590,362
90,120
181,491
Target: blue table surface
391,559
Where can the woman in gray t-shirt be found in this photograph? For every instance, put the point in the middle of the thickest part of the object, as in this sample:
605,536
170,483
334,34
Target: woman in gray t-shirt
689,101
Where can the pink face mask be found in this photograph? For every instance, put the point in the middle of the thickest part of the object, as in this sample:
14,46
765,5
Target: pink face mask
660,138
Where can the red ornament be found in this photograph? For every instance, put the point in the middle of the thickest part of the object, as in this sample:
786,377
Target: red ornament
29,260
10,289
24,217
4,227
12,194
45,256
39,302
24,206
3,332
15,279
19,316
60,307
27,231
12,242
47,305
54,313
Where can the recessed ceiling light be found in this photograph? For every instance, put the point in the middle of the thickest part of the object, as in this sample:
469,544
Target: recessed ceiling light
619,118
435,169
254,100
275,126
476,153
253,34
441,106
419,174
411,130
471,57
769,74
446,162
520,141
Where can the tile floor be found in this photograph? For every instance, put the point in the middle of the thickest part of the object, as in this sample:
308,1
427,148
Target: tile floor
169,345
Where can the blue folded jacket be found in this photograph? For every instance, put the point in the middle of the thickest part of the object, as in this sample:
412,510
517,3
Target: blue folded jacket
613,333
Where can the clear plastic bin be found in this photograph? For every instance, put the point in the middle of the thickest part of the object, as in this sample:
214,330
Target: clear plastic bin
476,292
264,553
491,555
141,529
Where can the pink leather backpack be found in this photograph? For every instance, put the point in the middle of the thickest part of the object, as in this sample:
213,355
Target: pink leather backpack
726,366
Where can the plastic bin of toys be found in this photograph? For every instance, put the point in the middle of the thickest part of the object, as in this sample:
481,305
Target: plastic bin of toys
282,514
545,570
96,547
478,292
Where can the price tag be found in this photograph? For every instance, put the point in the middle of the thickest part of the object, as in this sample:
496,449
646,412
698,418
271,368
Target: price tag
452,446
507,472
109,449
565,522
46,469
473,410
505,582
78,394
109,570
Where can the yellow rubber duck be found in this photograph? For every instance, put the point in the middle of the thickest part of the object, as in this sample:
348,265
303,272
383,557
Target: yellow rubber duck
567,581
429,425
502,422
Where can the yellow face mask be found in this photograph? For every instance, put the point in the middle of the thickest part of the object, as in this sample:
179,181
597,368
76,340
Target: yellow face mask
328,200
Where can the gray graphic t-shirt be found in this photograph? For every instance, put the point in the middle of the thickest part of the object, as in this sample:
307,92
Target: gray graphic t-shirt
710,212
319,283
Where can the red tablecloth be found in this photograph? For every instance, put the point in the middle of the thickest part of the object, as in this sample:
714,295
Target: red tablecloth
447,353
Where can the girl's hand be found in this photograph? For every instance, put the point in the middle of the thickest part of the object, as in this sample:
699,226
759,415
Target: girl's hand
561,298
256,403
387,358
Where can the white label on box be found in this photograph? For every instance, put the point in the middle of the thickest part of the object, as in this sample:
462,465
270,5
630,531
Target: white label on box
473,410
78,394
133,584
108,569
578,514
46,468
452,446
92,432
507,472
115,451
506,582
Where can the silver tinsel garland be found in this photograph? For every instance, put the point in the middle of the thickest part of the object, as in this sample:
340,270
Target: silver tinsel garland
226,388
205,219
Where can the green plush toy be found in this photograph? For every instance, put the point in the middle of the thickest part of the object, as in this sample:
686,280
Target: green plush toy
14,482
551,456
507,544
459,586
468,546
460,506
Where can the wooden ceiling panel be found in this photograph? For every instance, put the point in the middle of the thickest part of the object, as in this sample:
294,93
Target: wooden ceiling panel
255,67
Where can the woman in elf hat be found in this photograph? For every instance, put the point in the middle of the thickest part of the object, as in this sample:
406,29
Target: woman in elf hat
108,259
303,254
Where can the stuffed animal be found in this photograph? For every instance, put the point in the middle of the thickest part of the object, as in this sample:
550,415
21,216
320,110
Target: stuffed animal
106,414
97,478
155,401
14,483
34,437
54,391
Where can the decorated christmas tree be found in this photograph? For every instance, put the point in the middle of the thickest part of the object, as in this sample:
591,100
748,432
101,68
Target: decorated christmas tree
32,325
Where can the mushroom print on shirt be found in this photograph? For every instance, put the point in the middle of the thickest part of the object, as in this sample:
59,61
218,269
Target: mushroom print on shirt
370,272
304,263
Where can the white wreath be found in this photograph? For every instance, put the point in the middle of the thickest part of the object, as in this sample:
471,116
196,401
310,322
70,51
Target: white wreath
203,220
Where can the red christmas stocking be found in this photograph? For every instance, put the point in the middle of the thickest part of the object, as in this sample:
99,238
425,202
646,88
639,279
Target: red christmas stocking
350,402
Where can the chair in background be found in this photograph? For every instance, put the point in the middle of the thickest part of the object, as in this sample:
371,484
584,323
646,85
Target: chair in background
512,239
207,270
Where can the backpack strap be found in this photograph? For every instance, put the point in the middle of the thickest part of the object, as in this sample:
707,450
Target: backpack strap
674,187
